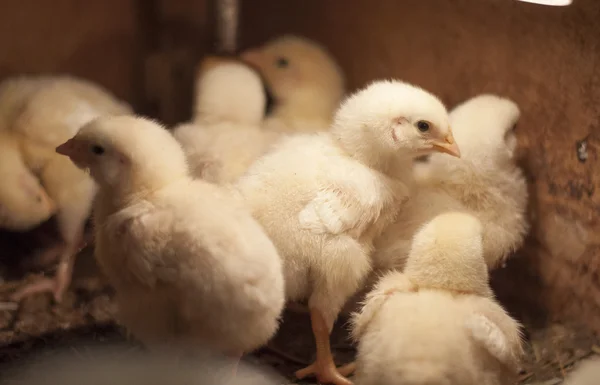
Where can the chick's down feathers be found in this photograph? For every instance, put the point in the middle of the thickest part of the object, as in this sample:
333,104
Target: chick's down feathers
226,135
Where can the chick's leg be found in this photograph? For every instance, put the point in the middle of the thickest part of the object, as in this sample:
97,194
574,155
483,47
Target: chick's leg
73,192
334,284
324,367
60,282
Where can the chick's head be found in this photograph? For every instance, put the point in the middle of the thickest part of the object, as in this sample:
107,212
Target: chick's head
126,152
24,203
484,126
229,90
392,118
447,254
301,75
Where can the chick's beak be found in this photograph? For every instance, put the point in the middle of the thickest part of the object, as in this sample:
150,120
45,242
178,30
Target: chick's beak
448,145
68,148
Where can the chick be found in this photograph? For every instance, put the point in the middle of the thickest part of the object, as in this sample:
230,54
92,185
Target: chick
485,181
51,115
226,135
189,265
438,322
322,197
305,81
24,203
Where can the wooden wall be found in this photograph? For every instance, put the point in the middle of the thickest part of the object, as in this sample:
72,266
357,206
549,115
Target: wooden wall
546,58
95,39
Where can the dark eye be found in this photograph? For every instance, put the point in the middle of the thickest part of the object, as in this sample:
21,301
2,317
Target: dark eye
282,62
423,126
98,150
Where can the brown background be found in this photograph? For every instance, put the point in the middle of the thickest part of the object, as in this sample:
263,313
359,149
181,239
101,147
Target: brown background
546,58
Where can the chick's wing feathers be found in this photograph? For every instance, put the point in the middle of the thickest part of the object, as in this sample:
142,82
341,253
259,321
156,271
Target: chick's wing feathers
144,264
497,332
347,203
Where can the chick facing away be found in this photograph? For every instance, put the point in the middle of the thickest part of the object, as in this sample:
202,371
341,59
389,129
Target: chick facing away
189,265
226,135
323,197
304,79
437,322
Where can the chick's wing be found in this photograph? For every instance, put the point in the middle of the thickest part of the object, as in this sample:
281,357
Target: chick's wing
146,236
349,202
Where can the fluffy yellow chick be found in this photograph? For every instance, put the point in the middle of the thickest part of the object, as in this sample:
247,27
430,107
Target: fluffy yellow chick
51,115
322,197
191,268
437,322
304,80
226,135
24,203
485,181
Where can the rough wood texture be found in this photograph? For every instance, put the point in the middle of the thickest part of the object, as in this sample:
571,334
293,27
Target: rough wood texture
546,58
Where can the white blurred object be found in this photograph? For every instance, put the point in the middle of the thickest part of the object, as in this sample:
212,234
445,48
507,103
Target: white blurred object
556,3
121,365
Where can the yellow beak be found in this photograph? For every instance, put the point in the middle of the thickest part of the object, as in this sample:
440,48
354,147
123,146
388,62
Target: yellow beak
448,146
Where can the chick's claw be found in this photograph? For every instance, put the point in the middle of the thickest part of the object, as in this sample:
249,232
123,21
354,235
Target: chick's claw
57,285
326,373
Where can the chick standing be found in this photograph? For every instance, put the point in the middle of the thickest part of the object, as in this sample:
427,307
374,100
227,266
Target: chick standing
226,135
323,197
190,267
304,79
485,181
52,114
437,322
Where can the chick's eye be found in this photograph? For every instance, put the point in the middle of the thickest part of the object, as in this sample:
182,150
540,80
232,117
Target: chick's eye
423,126
97,150
282,62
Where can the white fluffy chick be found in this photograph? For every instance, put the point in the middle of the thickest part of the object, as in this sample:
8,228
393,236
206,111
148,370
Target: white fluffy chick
322,197
51,115
304,80
485,181
24,203
437,322
191,268
226,135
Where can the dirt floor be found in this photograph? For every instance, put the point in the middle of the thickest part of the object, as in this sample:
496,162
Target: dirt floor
85,317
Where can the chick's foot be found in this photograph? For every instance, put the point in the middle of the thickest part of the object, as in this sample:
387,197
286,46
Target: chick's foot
324,367
57,285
